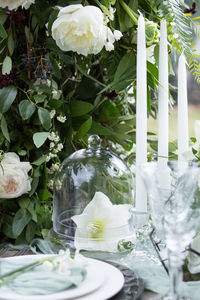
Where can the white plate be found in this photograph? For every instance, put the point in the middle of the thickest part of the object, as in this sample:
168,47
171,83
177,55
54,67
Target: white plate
94,279
111,286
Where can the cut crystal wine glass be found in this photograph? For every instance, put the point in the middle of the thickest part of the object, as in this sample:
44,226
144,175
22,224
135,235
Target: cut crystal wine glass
174,210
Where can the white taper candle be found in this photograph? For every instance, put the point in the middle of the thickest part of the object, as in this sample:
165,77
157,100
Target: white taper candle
163,96
141,114
183,136
163,110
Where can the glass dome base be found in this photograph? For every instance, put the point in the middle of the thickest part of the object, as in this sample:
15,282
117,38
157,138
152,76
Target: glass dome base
58,242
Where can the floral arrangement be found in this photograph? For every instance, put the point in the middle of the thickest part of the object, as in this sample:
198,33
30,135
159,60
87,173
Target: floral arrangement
68,69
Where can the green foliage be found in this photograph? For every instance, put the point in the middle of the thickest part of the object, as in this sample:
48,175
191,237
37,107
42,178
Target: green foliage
52,100
180,33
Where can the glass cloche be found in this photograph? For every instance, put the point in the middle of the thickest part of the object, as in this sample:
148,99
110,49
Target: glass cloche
93,194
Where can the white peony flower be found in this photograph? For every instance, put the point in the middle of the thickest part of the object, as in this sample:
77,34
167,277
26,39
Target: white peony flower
117,35
14,178
193,259
14,4
102,225
80,29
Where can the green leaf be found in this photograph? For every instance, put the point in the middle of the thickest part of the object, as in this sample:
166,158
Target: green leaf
39,138
39,98
30,231
4,128
85,127
40,160
127,61
108,111
153,70
87,89
21,219
3,33
26,109
126,72
55,103
80,108
3,18
34,185
7,96
7,228
44,118
97,128
44,194
7,65
11,44
26,202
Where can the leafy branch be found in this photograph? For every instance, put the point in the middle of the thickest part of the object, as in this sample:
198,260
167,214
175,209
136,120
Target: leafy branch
181,29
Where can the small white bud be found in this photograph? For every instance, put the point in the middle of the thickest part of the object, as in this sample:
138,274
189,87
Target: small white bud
109,46
117,35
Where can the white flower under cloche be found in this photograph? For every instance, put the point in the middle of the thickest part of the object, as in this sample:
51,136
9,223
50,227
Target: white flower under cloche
102,225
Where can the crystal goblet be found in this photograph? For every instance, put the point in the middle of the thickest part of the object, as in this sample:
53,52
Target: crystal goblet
174,210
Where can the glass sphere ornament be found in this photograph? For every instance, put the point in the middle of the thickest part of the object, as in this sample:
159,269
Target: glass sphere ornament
93,196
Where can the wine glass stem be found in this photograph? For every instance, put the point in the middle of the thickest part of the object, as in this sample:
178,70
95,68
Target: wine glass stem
175,275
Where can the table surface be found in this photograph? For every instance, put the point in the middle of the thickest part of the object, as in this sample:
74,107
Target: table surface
147,295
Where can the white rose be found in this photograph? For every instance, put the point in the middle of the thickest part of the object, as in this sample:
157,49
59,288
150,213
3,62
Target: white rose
14,179
81,29
193,259
14,4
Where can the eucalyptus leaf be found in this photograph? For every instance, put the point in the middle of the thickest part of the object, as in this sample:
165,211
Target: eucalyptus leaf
26,109
7,96
21,219
7,228
7,65
30,231
39,138
11,44
39,98
4,128
44,117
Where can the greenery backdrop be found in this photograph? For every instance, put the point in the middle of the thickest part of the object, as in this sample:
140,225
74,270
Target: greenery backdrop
51,100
